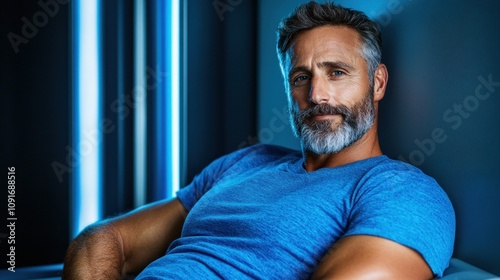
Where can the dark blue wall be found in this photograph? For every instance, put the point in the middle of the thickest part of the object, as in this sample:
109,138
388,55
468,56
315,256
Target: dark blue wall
221,80
35,117
439,112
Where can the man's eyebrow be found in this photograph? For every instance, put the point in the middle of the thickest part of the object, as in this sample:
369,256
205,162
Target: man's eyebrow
298,69
335,64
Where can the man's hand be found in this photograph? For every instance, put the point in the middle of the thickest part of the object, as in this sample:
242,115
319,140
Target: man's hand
126,244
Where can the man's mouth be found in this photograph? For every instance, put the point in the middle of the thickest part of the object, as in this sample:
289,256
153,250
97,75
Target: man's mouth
326,117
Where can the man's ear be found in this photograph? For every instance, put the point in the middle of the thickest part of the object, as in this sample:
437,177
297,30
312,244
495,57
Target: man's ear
380,78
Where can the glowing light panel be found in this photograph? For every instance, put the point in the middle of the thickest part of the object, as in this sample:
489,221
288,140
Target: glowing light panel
87,136
168,98
140,132
174,98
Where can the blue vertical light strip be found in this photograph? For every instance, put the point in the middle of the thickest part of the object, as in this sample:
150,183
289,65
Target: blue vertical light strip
162,144
87,137
140,132
174,110
75,204
183,91
168,98
167,105
121,114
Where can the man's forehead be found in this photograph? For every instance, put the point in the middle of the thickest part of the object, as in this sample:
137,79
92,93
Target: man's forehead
327,43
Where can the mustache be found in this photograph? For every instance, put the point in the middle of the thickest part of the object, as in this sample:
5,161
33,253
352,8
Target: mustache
324,109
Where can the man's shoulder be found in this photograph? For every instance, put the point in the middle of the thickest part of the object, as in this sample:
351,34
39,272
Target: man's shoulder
390,165
394,178
393,170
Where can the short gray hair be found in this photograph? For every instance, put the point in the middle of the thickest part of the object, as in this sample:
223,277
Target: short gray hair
310,15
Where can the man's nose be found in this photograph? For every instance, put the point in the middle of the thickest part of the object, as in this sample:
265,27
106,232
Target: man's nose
319,91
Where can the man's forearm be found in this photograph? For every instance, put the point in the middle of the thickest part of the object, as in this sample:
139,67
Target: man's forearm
97,253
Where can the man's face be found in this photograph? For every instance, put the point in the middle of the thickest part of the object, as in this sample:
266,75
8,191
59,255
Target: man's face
330,97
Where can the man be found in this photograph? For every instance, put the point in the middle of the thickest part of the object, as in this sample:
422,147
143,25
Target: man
338,209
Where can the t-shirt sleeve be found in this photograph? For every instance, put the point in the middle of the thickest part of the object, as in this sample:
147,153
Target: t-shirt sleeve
409,208
204,181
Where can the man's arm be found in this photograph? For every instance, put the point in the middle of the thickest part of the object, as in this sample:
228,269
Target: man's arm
370,257
126,244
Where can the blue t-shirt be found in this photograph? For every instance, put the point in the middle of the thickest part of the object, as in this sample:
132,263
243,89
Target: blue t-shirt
257,214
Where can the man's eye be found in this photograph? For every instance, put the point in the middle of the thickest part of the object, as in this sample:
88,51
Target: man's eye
301,80
337,73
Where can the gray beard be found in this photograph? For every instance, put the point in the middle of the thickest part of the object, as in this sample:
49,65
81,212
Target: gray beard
323,137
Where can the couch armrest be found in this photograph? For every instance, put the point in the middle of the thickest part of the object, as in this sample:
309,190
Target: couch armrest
460,270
